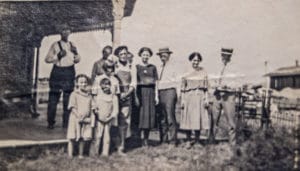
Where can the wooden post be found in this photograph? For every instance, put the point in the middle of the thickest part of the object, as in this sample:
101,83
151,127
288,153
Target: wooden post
118,13
297,143
34,113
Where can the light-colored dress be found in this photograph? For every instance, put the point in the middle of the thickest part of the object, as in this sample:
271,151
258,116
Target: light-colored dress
81,103
194,116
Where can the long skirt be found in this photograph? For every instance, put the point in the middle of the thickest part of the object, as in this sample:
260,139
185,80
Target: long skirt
147,117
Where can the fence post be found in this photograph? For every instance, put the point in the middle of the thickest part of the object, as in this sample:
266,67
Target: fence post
297,137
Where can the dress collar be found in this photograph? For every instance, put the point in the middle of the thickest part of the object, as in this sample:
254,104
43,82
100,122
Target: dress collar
81,93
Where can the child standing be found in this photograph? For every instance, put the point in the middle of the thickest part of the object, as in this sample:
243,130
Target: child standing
81,120
105,108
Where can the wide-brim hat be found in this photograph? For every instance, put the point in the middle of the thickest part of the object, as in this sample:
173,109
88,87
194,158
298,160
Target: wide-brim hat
164,50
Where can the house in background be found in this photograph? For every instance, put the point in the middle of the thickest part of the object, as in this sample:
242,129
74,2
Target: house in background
24,24
285,77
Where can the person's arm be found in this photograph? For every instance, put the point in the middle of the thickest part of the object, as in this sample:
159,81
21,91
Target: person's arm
94,72
206,95
93,119
75,52
182,89
176,81
133,80
51,56
74,111
115,111
73,105
156,85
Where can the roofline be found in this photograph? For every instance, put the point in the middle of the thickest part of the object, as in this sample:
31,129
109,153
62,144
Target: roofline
94,27
48,0
280,74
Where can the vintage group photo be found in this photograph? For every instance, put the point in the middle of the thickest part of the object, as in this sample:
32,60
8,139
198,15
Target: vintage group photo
149,85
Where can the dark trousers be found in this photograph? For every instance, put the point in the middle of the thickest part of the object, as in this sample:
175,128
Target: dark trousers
61,81
167,119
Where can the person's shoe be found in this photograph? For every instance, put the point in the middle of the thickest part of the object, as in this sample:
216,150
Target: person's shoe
145,143
50,127
65,125
121,152
105,154
188,145
80,157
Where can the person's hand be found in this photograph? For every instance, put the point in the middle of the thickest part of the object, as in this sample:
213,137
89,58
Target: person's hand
108,119
96,110
123,96
156,100
74,50
61,54
79,120
137,101
206,103
182,106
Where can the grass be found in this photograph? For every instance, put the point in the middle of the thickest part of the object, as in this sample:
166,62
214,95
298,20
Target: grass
270,150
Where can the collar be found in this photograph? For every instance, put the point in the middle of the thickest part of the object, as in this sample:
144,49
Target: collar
82,93
123,63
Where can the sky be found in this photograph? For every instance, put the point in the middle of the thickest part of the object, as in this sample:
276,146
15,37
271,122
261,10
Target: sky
257,30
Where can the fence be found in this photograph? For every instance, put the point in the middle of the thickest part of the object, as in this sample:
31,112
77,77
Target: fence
286,118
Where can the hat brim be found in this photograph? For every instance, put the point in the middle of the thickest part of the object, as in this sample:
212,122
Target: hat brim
168,52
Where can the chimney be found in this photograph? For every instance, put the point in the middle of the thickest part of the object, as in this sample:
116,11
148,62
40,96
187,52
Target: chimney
297,63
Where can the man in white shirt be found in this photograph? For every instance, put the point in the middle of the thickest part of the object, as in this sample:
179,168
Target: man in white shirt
167,90
63,55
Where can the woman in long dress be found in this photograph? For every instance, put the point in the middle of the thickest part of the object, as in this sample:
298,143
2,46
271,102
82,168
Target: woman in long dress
194,116
147,93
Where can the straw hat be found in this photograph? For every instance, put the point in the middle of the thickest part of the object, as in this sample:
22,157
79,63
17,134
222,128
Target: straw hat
164,50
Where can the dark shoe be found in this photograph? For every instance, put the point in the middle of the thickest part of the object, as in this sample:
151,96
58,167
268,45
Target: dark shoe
50,127
65,125
35,115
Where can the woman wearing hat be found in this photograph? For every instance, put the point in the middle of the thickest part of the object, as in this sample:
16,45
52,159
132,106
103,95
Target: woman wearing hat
146,92
194,100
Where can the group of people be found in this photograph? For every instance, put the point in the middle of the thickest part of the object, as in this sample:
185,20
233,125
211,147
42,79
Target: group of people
93,105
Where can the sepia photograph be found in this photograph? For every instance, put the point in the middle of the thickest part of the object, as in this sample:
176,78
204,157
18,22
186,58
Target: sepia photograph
142,85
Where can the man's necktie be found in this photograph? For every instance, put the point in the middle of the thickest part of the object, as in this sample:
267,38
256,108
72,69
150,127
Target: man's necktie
162,70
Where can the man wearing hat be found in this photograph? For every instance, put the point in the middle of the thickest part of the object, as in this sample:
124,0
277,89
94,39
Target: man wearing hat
63,55
167,90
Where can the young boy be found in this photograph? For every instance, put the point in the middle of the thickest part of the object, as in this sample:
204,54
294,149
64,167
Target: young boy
105,107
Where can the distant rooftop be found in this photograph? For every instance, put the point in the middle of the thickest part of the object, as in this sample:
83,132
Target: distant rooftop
286,71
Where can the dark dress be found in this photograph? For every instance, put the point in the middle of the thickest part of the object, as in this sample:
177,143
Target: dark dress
146,79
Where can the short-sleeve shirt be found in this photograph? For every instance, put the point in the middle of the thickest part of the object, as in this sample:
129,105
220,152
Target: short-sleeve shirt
146,75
